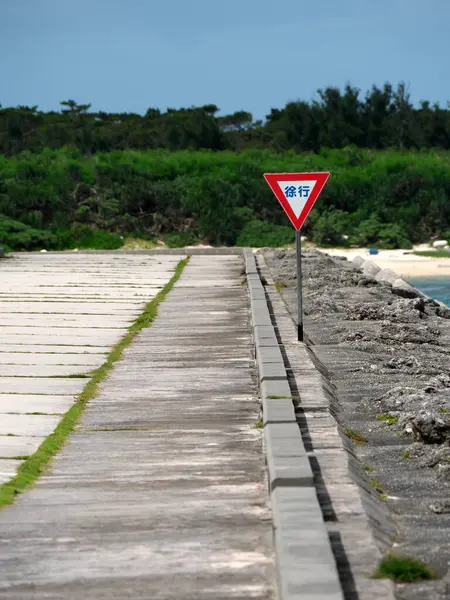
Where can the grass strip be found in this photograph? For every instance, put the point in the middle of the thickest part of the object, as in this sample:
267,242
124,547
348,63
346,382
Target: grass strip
434,253
29,471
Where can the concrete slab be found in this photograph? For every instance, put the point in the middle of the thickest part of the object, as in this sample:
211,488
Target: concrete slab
98,307
8,469
59,317
33,348
27,370
44,385
79,333
31,358
29,403
11,446
28,425
65,320
50,339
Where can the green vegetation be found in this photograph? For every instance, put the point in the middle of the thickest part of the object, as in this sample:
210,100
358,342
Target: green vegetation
405,456
262,233
402,569
376,485
384,118
35,464
259,424
388,419
274,397
280,285
60,199
433,253
80,179
444,411
355,436
14,457
367,469
15,235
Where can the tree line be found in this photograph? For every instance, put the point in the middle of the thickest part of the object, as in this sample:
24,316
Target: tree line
383,118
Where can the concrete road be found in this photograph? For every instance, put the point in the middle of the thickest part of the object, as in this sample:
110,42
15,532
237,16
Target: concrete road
59,316
160,492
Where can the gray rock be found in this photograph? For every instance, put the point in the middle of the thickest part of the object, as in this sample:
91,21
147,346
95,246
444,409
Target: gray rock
440,507
369,268
433,457
442,310
440,382
358,262
444,473
403,289
366,281
430,428
400,363
386,276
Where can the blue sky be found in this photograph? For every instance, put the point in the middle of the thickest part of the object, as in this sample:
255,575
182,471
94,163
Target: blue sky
128,55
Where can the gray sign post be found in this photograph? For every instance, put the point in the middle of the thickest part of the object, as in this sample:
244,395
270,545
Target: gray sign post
297,193
298,243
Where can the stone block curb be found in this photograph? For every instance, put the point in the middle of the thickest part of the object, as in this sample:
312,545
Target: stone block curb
275,388
271,354
261,318
305,563
264,336
287,461
278,410
270,371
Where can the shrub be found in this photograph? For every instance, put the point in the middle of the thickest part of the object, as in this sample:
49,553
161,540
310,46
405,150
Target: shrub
402,569
259,234
84,238
18,236
180,240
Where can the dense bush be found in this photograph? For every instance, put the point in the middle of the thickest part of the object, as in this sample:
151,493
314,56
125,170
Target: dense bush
261,233
388,199
84,238
18,236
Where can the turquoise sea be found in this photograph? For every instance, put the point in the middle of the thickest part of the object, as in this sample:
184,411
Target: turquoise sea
436,287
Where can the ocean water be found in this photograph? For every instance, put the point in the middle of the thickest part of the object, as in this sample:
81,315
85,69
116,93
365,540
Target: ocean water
436,287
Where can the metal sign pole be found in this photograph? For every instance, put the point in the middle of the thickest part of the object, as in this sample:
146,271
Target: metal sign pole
298,241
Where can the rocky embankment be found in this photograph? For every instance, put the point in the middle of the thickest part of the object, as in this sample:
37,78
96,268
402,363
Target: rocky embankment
386,350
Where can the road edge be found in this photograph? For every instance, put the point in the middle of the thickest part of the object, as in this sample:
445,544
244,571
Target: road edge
305,562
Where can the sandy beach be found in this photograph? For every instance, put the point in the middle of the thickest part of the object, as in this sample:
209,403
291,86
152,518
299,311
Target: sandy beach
402,262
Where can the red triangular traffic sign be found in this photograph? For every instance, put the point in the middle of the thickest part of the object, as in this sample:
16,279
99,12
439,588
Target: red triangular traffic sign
297,193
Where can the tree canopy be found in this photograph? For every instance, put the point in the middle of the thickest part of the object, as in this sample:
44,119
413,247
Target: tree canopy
384,118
